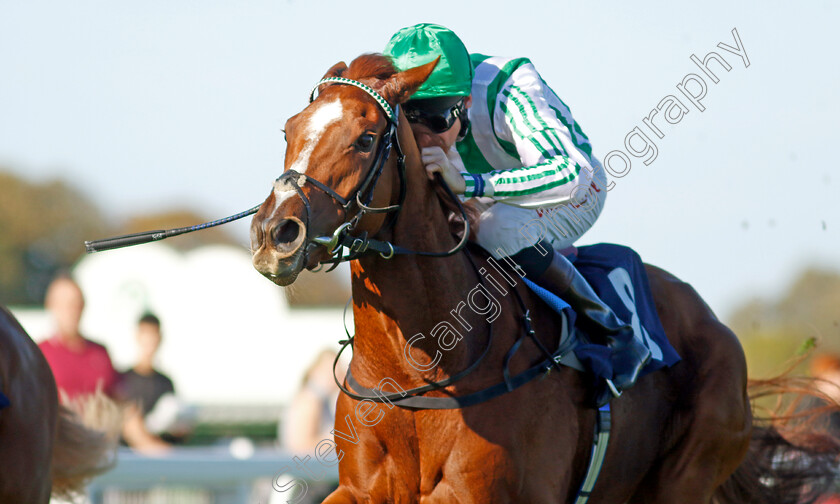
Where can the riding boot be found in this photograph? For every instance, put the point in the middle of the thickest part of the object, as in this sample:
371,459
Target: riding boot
629,355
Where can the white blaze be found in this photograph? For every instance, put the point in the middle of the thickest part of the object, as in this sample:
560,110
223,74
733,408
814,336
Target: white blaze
325,115
318,122
283,191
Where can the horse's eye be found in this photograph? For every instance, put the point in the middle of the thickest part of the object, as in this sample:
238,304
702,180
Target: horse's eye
365,142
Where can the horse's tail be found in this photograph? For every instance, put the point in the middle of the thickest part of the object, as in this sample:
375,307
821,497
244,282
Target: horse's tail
85,443
792,457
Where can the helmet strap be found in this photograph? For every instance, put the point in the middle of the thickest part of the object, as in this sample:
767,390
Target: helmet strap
465,126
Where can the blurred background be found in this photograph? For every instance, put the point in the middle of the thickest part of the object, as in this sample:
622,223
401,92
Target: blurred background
130,116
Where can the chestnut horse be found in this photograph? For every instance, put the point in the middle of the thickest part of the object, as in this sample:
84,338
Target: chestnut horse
44,448
678,436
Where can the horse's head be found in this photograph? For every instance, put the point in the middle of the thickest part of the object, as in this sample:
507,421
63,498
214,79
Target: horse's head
335,162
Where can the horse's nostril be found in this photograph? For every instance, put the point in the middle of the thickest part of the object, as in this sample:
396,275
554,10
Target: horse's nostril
285,232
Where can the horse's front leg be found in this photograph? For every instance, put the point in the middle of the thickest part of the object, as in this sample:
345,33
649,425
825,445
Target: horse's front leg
341,495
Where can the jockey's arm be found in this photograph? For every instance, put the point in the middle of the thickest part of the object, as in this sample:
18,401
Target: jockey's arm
554,152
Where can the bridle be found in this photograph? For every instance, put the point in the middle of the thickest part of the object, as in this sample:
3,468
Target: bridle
362,195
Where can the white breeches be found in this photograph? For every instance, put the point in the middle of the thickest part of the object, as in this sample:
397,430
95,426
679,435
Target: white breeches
504,230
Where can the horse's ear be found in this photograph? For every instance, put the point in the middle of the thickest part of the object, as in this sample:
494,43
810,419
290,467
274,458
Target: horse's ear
334,71
400,86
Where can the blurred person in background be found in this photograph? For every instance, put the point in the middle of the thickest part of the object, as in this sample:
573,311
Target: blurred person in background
311,415
155,416
83,367
80,365
309,419
143,383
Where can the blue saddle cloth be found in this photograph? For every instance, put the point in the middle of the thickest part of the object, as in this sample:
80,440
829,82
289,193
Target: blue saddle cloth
617,275
4,401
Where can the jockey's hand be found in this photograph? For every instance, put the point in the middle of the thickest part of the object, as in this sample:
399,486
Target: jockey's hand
436,161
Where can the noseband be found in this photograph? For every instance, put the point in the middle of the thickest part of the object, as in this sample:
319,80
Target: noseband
362,195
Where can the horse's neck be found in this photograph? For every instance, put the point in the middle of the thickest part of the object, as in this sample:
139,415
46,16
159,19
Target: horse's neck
407,295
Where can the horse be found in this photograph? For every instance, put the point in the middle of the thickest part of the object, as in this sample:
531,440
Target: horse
353,177
45,447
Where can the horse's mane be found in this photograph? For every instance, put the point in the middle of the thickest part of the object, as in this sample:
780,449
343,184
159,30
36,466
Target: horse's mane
370,65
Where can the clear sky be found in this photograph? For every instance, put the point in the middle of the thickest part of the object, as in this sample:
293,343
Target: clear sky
147,105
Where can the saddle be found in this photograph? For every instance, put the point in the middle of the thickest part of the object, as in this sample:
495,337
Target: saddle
617,274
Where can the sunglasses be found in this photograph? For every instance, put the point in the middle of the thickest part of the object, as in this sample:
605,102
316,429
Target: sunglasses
437,121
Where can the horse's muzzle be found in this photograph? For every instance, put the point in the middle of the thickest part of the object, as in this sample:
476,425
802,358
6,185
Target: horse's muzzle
278,252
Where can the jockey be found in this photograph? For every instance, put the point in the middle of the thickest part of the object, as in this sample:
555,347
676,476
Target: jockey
494,130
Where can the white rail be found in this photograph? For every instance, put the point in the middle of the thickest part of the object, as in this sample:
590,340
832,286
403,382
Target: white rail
201,474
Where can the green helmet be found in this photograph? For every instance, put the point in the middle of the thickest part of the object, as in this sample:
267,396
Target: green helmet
419,44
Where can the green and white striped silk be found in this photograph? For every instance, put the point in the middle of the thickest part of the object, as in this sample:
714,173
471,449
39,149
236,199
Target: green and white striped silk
524,147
